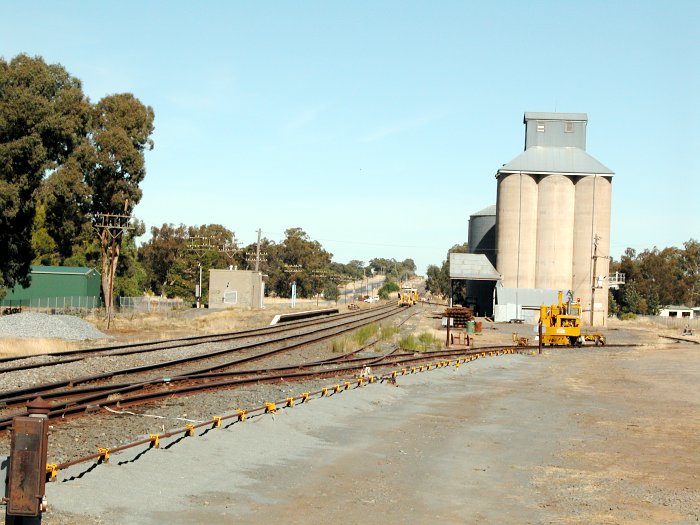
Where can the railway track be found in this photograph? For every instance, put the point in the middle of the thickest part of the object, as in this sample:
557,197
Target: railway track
129,394
100,388
127,349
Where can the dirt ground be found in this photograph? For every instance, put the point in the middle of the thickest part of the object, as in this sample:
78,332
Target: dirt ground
572,436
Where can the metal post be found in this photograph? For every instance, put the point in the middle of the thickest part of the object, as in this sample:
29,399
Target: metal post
593,278
26,498
539,337
447,342
257,252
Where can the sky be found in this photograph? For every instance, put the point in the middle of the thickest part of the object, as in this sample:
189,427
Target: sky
378,126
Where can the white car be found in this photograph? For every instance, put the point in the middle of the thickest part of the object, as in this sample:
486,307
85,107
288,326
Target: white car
373,299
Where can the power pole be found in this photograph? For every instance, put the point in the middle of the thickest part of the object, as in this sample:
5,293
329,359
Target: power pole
257,253
111,228
256,257
317,274
596,238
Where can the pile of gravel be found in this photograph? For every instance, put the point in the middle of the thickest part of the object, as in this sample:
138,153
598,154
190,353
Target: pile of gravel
32,324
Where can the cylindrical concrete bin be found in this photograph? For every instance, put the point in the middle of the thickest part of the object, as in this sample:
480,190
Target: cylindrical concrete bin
477,327
470,327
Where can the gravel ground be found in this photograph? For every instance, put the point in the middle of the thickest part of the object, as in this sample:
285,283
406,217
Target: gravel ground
34,324
78,437
569,437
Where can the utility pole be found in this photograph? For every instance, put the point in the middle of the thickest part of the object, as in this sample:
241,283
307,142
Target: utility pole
596,238
317,274
257,253
258,256
110,229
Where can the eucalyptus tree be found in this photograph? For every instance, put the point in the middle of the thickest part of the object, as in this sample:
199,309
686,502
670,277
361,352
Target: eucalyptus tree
43,118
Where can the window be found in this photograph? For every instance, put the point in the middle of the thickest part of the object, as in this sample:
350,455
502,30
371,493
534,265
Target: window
568,127
540,127
231,297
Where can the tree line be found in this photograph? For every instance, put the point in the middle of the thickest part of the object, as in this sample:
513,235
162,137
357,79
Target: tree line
67,165
172,257
656,278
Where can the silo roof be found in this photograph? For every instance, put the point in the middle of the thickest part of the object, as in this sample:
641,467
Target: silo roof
488,211
473,267
541,115
549,159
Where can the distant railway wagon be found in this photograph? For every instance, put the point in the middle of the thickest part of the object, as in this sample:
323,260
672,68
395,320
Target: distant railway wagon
408,296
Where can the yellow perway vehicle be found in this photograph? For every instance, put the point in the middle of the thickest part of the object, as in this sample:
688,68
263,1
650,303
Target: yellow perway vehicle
408,296
561,323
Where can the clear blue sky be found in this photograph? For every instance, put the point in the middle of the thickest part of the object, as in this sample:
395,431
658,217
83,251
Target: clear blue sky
378,126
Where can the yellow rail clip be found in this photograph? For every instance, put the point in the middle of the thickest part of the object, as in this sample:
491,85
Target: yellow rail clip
51,471
457,364
403,371
270,408
155,440
413,369
290,402
305,397
347,385
372,379
360,380
103,455
324,391
241,414
336,389
394,374
216,422
189,430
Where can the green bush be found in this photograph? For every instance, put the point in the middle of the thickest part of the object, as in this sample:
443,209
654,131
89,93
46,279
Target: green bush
387,288
627,316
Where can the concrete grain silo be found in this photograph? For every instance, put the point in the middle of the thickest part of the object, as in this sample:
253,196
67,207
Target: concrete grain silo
553,215
482,233
482,240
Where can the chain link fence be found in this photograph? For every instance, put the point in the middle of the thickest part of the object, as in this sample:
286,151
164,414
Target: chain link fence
134,305
80,305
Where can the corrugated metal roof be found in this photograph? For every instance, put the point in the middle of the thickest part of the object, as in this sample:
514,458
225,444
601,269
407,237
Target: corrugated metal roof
540,115
546,160
472,266
526,297
488,211
73,270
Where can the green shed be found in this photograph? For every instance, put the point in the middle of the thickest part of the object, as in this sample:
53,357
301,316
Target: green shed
57,287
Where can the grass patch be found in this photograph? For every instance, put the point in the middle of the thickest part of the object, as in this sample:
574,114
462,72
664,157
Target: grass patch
427,341
20,346
362,335
341,346
387,331
409,343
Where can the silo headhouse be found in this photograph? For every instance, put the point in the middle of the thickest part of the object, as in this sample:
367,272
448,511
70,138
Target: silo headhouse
553,216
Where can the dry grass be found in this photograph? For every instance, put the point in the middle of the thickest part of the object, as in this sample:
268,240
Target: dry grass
12,347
